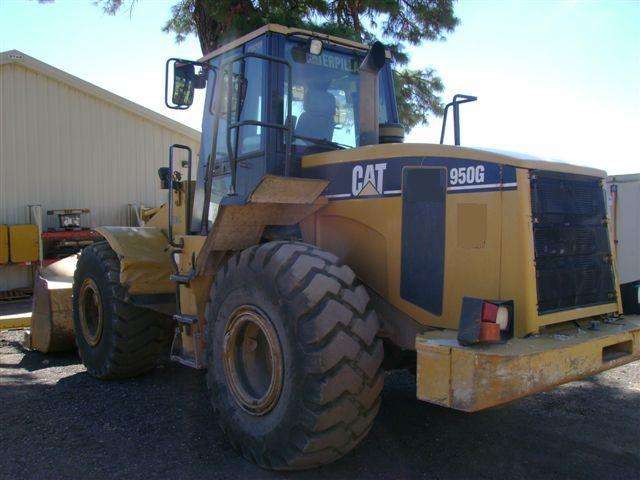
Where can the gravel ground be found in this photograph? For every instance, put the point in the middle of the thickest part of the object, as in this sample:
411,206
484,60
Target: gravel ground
58,422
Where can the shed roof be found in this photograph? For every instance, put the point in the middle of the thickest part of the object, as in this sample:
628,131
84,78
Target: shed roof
19,58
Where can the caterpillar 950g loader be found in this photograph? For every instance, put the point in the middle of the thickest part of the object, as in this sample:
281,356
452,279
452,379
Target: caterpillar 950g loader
314,250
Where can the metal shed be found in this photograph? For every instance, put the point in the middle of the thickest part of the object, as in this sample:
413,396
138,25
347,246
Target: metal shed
66,143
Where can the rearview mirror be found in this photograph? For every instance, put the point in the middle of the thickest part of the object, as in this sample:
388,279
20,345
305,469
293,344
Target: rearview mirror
185,81
184,75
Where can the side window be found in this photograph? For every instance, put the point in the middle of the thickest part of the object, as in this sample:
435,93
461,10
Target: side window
221,162
247,103
254,75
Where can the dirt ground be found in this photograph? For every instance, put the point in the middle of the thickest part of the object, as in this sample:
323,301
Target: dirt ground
58,422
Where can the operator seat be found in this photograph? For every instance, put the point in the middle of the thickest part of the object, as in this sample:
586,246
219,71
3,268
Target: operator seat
316,120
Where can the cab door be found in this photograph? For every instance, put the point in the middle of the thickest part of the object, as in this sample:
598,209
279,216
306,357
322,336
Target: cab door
246,143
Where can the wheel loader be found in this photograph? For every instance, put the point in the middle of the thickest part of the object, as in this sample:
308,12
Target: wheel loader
314,251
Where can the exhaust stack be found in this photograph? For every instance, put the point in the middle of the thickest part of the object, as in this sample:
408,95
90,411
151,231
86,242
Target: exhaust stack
369,94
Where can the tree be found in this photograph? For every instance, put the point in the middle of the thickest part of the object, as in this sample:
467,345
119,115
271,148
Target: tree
396,22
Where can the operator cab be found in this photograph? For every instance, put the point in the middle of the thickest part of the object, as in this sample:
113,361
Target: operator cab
273,96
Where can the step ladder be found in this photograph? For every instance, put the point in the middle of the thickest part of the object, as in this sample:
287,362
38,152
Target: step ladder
185,347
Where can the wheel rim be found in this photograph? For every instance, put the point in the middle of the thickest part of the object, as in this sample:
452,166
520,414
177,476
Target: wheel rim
253,361
90,310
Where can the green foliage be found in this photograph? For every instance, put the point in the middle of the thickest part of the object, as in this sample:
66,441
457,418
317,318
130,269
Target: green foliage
395,22
417,94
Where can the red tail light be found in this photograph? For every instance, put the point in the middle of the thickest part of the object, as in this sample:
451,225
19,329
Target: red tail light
485,321
489,312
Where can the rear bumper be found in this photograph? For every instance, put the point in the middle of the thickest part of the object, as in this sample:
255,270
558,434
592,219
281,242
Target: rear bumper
483,376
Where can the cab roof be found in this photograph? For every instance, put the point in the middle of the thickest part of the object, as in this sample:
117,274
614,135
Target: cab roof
273,27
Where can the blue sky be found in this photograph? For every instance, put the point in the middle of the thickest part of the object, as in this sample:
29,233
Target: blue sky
557,79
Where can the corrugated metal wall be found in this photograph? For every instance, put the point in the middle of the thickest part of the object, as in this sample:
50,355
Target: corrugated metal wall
63,148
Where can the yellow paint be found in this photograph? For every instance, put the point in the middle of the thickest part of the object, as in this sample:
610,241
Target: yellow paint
393,150
145,265
479,377
160,218
433,372
489,249
472,225
191,246
4,244
18,320
194,295
517,268
24,243
365,234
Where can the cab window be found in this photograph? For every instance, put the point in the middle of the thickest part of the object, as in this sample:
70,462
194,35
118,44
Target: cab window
324,95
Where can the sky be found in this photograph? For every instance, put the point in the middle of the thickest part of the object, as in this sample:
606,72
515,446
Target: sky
555,79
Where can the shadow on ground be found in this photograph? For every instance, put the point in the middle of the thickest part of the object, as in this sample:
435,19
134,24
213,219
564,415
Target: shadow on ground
57,421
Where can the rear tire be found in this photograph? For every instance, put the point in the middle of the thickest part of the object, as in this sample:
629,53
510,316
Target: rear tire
314,396
115,339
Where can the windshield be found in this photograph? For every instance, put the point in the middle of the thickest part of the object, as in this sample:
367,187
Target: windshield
325,95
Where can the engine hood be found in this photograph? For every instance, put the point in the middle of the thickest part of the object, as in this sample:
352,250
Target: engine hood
399,150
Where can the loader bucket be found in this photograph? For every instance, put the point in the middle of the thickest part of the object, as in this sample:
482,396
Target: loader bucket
52,317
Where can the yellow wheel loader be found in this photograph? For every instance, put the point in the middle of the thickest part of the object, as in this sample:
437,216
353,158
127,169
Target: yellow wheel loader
314,250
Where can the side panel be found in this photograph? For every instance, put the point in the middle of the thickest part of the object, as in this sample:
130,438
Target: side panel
517,268
363,225
489,249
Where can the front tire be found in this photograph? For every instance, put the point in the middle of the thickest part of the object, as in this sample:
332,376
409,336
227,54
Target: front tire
115,339
294,364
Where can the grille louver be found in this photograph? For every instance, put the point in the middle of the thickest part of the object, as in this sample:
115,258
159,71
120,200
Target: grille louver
571,241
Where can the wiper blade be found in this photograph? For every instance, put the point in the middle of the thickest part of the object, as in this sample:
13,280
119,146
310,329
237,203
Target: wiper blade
322,141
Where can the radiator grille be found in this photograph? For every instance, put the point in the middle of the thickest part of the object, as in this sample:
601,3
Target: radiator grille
571,241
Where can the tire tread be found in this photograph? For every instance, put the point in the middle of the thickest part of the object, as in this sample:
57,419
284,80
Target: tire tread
139,336
343,355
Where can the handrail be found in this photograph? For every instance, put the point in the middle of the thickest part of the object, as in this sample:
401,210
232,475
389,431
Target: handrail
455,103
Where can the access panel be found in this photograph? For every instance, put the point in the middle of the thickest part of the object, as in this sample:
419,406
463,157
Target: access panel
423,237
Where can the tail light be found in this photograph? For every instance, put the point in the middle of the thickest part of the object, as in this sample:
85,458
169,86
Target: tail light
495,314
485,321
